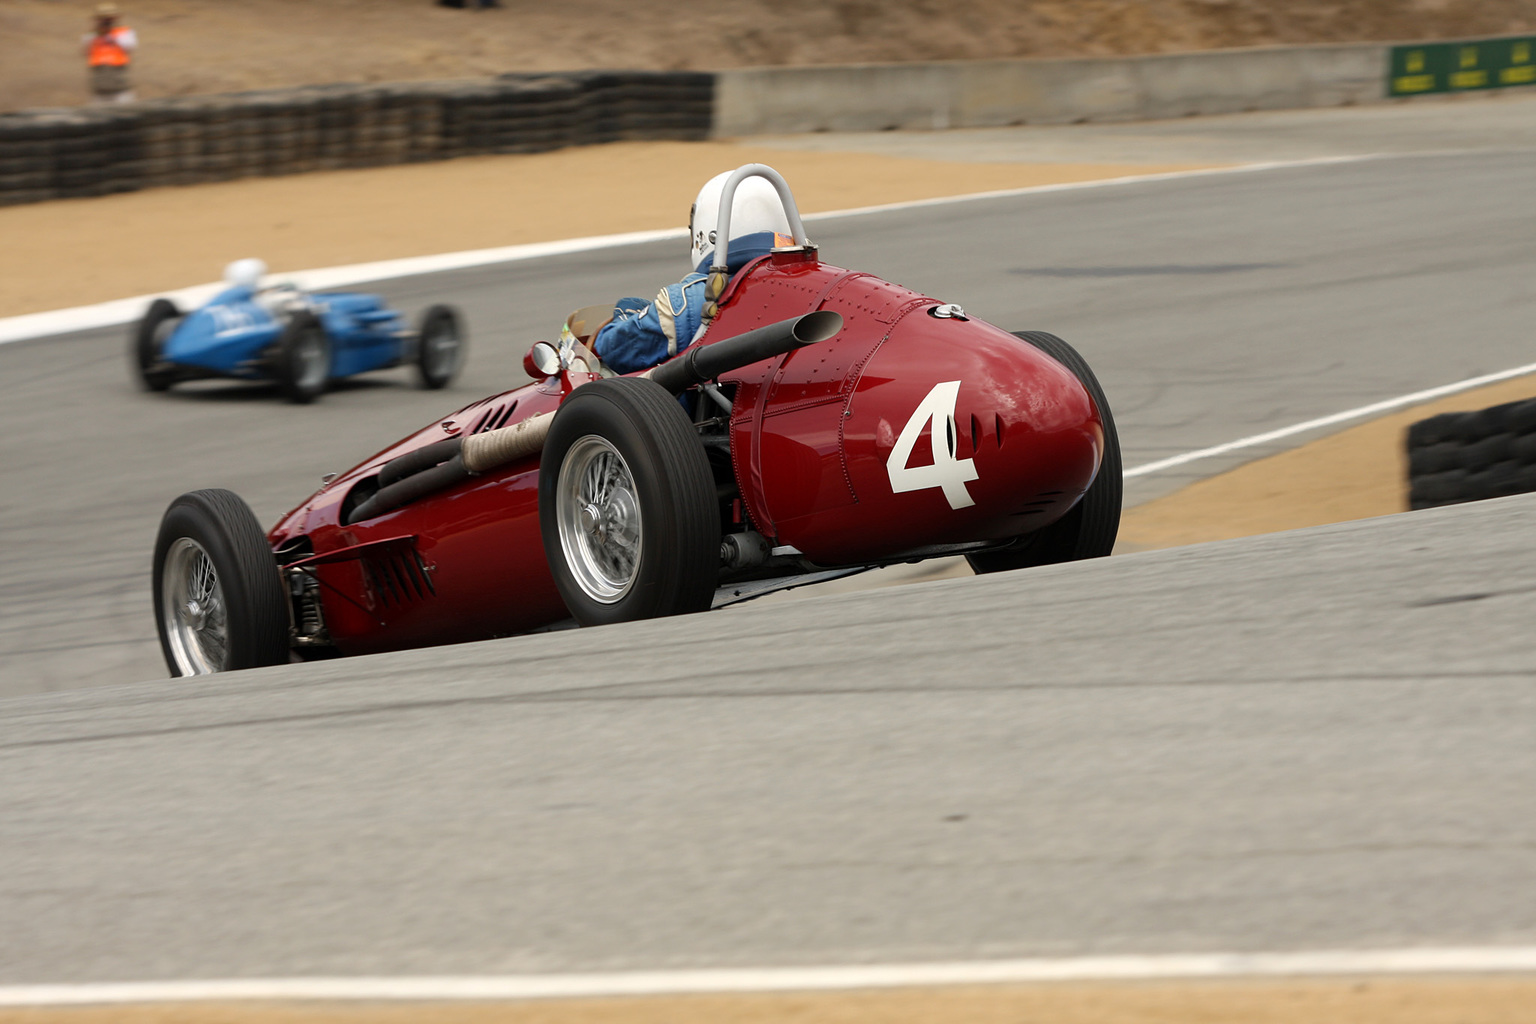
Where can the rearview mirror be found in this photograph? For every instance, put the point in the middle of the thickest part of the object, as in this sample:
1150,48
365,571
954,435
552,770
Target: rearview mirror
542,360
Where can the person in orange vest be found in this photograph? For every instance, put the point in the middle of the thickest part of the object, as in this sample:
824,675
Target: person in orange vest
109,51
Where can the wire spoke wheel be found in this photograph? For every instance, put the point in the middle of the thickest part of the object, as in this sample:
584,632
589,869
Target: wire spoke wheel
196,616
627,505
601,531
220,602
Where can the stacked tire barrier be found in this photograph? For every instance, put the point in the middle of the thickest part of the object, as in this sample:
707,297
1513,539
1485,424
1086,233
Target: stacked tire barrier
1468,456
63,154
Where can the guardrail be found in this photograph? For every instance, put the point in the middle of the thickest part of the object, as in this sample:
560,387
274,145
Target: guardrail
94,151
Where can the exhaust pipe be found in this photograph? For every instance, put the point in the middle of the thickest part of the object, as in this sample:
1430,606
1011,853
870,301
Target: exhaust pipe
454,460
406,490
447,463
701,363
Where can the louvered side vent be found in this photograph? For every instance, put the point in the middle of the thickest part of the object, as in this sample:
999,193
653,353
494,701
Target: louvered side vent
398,577
496,418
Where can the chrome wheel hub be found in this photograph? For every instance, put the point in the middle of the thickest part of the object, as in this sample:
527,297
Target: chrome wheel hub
598,515
312,360
442,352
192,604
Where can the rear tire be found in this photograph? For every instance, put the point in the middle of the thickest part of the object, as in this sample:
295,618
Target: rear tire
148,343
1090,528
219,599
303,363
439,347
627,505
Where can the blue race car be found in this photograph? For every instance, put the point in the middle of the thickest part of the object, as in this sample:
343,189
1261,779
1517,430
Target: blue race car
301,341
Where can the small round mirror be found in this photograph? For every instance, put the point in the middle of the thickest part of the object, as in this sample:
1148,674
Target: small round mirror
542,360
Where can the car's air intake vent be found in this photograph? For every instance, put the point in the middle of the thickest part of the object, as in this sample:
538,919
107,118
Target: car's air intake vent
398,576
496,418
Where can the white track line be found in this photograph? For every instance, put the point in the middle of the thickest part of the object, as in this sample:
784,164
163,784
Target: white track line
123,311
1374,408
1208,966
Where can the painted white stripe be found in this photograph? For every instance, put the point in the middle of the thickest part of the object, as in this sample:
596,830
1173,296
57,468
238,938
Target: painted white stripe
1362,412
1464,960
124,311
1128,179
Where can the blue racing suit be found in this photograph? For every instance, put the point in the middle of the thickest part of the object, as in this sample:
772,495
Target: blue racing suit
642,334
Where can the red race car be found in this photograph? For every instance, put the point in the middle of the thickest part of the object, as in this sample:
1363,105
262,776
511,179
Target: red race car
826,422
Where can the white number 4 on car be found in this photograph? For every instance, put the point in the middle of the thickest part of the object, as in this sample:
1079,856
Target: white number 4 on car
938,412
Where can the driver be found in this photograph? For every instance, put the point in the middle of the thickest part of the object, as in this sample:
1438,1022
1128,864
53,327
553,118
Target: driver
642,334
280,300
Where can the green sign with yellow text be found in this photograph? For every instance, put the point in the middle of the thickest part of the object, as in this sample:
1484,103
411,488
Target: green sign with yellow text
1461,67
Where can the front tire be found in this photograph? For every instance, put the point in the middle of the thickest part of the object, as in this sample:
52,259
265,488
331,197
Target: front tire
627,505
303,359
219,600
147,345
439,347
1090,528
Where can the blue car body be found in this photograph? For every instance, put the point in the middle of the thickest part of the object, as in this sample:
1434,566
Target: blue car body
233,335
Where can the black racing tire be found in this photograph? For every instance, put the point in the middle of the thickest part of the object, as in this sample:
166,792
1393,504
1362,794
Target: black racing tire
1090,528
147,343
439,346
219,598
627,505
302,364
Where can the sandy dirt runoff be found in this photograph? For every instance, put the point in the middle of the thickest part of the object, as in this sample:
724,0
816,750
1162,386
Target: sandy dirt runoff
1355,474
54,256
209,46
1347,1001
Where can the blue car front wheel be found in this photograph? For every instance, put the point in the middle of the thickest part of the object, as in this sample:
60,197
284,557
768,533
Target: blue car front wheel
303,364
439,346
148,343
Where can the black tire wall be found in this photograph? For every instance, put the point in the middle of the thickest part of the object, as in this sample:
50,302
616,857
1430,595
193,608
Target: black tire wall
61,154
1469,456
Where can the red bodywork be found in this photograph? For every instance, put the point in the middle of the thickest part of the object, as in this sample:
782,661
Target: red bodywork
811,436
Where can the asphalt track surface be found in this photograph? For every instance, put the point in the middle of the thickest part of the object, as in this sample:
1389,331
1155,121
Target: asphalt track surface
1309,740
1300,741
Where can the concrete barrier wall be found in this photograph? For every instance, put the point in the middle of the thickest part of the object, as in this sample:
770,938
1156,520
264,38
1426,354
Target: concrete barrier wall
975,94
95,151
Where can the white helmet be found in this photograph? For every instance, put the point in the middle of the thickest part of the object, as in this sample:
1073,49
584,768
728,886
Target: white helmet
245,273
755,207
